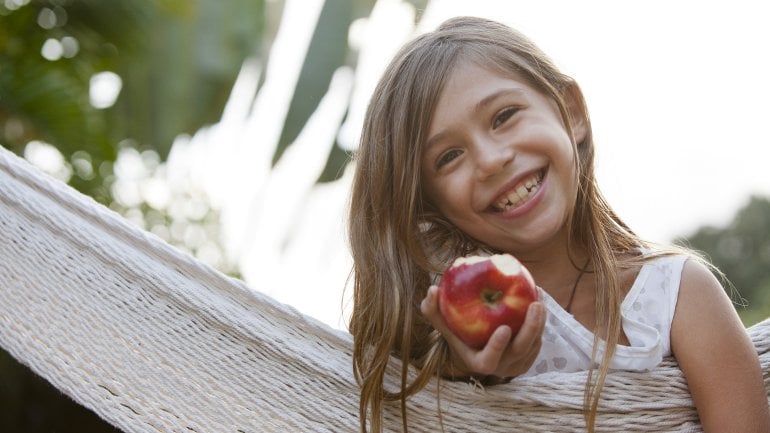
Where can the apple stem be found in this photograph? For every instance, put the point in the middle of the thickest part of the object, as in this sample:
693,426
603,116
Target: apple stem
491,296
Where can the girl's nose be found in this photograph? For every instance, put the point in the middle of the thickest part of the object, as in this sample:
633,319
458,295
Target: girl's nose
492,158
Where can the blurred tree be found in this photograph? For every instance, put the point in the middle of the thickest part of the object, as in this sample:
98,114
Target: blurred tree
328,51
48,54
742,251
175,60
182,76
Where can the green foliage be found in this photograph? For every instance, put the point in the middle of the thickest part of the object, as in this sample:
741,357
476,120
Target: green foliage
176,59
742,251
180,80
327,52
48,99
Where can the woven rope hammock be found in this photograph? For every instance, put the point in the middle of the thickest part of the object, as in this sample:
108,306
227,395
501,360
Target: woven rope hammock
154,341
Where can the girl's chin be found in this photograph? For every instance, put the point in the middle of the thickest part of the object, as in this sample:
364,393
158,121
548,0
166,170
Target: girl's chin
530,236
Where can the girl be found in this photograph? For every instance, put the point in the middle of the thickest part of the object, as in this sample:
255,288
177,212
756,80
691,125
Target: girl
475,143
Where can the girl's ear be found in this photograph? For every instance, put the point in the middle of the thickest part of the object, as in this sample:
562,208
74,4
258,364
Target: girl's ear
578,113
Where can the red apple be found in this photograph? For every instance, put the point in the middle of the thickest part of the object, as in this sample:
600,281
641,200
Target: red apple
478,294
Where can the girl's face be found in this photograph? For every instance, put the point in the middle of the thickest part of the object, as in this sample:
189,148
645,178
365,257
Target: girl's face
499,162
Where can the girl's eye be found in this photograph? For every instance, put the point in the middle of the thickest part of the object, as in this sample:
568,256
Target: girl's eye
447,157
503,116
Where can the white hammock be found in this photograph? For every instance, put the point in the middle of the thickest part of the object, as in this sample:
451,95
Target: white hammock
154,341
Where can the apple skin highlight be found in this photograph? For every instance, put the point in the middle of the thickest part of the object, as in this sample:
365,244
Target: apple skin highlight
478,294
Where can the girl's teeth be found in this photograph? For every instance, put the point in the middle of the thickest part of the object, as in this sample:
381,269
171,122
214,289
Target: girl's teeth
520,194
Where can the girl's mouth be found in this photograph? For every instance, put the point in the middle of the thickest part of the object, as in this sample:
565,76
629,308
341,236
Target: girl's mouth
522,192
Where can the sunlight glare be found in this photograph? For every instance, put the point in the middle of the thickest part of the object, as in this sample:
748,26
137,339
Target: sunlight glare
104,89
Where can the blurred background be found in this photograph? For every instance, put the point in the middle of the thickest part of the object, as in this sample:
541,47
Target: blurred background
225,127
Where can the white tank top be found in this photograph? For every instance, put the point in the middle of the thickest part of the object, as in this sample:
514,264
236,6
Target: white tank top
647,313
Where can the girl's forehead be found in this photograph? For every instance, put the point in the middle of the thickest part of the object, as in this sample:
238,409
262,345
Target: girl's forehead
479,81
464,66
496,60
469,68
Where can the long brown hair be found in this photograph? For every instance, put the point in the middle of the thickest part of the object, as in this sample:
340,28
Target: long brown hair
395,233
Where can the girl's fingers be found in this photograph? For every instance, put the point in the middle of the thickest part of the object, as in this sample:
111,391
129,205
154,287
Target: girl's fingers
429,305
487,361
532,329
525,346
430,310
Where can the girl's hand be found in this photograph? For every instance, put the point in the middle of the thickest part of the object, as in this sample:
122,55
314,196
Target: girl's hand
502,356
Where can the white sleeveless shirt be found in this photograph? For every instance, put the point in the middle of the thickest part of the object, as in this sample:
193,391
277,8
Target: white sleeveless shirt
647,313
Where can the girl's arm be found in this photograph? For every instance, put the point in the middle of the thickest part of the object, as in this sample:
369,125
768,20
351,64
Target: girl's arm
717,357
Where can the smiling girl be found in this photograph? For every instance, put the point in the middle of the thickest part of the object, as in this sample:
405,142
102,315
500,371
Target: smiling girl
474,143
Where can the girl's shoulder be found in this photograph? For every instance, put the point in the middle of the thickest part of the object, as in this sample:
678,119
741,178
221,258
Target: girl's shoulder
669,265
643,263
659,273
664,259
